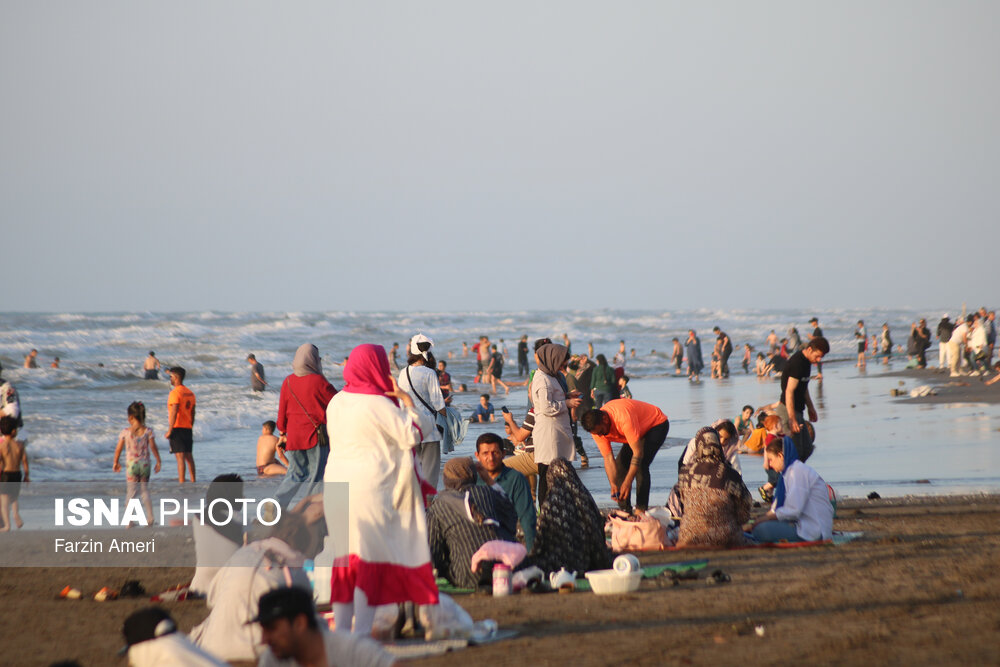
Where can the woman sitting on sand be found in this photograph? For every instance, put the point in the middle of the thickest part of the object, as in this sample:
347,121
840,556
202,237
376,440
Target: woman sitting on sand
462,518
801,511
570,530
716,501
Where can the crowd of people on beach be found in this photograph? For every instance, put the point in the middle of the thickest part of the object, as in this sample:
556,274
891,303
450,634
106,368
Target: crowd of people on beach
518,503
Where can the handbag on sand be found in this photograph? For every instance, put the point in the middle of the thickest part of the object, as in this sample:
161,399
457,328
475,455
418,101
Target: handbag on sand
636,533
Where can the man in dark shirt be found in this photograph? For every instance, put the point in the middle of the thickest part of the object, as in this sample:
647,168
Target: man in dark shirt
944,330
725,349
795,399
257,382
489,453
817,333
522,356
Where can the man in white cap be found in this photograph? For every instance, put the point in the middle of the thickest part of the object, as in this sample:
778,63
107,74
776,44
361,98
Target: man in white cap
420,380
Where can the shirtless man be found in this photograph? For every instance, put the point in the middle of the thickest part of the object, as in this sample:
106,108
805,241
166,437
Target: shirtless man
12,458
151,367
267,448
31,360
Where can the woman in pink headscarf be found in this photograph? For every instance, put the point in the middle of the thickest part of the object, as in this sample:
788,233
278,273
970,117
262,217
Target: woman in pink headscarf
386,559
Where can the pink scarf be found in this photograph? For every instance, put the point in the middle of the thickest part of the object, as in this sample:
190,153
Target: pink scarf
367,371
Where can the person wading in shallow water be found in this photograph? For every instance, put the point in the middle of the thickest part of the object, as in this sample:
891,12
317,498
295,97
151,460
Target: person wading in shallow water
180,422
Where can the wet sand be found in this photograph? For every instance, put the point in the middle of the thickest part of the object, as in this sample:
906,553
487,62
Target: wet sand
964,389
921,587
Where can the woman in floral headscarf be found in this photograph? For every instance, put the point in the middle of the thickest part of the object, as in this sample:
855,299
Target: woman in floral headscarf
386,558
716,501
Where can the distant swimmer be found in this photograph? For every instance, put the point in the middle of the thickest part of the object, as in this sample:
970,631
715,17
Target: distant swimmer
31,360
151,367
257,381
55,363
394,358
268,452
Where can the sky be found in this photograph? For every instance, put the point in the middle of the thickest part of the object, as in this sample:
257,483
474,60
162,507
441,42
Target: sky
316,156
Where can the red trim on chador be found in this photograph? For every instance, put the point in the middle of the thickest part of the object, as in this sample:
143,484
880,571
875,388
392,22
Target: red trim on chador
382,583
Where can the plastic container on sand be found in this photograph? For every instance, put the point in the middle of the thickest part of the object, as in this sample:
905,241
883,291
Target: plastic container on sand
609,582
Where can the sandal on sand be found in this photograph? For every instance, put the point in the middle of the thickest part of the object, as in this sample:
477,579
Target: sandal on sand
719,577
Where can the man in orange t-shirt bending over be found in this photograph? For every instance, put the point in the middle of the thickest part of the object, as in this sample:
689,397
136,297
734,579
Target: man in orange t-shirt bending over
642,428
180,421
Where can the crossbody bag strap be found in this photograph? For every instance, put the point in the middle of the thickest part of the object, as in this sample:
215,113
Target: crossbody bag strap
417,393
308,416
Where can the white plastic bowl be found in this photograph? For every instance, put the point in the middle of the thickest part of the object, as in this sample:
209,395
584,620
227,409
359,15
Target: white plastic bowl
609,582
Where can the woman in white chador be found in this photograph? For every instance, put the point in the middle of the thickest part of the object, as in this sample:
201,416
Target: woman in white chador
374,427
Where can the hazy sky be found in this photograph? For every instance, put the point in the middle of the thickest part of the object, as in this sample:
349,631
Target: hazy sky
479,156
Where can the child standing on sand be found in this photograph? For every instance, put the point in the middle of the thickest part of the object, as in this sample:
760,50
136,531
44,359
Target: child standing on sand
12,458
137,440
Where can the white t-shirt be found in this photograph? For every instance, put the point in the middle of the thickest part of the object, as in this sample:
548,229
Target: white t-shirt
977,340
959,334
425,383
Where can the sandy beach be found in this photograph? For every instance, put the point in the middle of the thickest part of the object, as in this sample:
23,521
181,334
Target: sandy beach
921,587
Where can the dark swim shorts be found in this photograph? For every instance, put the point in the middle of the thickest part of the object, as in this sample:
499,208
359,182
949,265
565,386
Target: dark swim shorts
152,374
181,441
10,484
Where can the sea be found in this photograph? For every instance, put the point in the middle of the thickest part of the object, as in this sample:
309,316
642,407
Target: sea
867,440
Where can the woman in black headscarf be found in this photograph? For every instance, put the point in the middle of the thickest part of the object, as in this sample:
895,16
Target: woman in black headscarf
462,518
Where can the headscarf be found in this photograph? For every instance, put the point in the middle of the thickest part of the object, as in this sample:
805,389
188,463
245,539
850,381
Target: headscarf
413,347
791,455
307,361
459,473
709,468
570,530
367,371
551,357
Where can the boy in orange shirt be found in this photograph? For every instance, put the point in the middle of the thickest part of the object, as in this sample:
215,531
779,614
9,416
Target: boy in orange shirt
641,428
180,422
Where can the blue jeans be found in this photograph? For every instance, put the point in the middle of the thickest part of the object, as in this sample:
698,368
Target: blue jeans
776,531
600,398
305,468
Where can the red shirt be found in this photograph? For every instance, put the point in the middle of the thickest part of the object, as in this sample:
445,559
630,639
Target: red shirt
314,392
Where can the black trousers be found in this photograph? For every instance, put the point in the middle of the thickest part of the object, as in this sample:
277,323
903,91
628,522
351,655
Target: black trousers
652,441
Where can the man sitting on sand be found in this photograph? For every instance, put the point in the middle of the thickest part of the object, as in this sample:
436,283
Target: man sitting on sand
293,636
267,448
152,639
489,453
